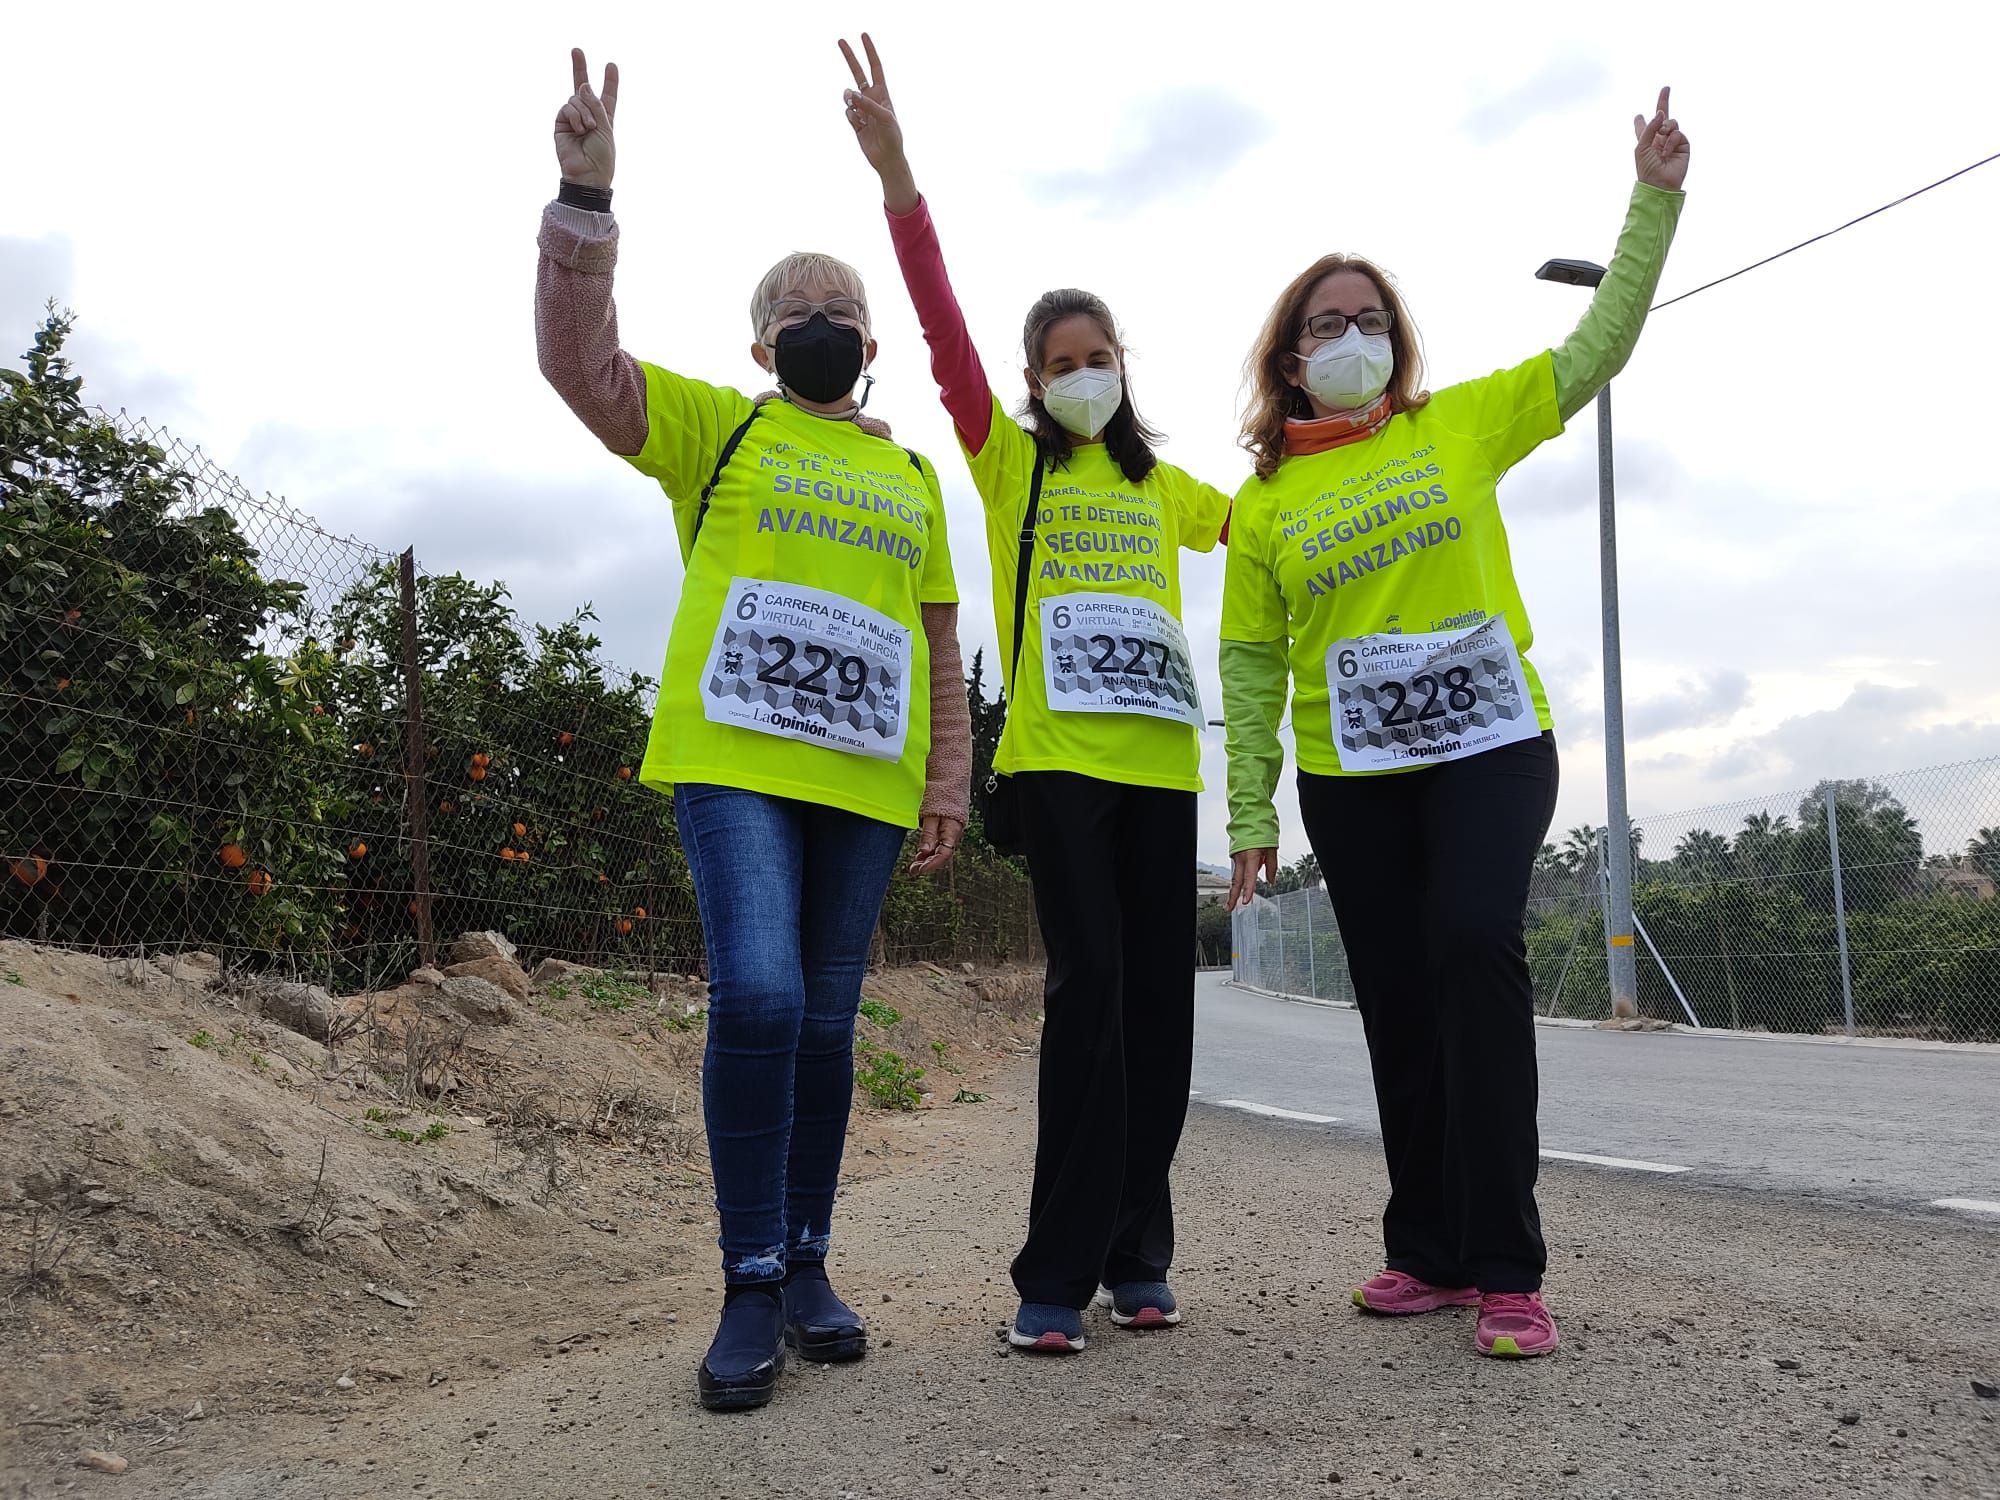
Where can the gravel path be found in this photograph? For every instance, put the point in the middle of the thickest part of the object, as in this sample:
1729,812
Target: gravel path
1718,1342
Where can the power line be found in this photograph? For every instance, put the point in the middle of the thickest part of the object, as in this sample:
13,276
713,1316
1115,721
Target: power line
1829,233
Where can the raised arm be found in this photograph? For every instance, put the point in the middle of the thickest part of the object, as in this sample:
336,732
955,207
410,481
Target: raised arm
576,321
961,379
1609,330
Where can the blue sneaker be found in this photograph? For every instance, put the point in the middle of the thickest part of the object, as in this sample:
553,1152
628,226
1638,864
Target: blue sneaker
741,1368
1139,1304
1047,1329
821,1327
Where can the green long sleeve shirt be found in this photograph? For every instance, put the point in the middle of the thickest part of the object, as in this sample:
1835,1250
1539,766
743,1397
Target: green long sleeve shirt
1255,674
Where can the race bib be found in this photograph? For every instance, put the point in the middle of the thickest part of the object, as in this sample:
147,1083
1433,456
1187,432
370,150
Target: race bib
806,664
1113,654
1404,700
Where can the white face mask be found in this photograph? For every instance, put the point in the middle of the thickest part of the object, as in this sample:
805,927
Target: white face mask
1351,370
1084,401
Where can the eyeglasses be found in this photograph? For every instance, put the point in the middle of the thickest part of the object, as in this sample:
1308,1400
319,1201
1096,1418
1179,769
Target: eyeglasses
1376,320
795,312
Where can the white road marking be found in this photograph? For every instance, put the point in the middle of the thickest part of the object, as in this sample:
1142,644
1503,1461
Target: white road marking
1968,1205
1622,1162
1273,1112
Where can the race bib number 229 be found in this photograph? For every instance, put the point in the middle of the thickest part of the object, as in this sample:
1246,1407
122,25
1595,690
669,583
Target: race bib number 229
810,665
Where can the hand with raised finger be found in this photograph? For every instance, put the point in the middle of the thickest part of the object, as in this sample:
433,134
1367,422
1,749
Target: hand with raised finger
584,148
877,131
1661,155
937,840
1245,865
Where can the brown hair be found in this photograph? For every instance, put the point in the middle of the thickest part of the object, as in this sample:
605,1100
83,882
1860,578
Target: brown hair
1127,436
1273,398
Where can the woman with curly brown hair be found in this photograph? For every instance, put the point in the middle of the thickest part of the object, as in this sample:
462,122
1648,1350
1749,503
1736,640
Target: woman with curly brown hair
1369,565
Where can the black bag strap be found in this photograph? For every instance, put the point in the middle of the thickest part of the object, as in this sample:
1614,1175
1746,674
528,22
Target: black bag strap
736,437
722,462
1021,570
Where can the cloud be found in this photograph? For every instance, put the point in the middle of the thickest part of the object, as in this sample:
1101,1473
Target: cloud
1644,472
31,272
1710,700
1558,85
1183,139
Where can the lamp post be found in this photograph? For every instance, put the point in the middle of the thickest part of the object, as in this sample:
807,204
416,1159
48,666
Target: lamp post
1618,902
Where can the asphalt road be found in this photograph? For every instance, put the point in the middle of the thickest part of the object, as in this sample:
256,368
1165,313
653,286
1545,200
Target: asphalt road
1900,1127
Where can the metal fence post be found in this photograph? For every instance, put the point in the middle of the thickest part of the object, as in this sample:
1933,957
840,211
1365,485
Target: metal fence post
1839,903
416,792
1312,948
1284,974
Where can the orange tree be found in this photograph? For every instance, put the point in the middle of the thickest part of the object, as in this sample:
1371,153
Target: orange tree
158,766
538,826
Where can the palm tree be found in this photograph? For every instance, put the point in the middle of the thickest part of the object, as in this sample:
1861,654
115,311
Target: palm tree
1984,851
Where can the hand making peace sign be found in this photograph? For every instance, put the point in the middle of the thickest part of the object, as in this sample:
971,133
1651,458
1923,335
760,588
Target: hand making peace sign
584,149
877,130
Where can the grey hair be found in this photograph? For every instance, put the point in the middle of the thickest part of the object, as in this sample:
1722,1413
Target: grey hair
798,267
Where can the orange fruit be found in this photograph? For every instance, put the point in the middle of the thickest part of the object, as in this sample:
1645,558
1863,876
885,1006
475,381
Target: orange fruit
482,759
411,908
639,912
232,856
520,830
624,773
62,684
359,851
522,856
604,880
507,854
477,773
319,710
259,882
187,718
445,807
364,750
565,739
624,926
30,871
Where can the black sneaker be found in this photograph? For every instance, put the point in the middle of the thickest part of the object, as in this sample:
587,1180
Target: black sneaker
741,1368
822,1328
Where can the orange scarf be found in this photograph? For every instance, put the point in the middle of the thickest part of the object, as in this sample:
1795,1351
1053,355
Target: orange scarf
1305,435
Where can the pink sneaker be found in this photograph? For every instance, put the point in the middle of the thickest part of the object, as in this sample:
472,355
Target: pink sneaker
1397,1294
1515,1325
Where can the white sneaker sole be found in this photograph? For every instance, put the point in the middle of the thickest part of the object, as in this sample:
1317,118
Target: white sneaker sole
1103,1298
1048,1343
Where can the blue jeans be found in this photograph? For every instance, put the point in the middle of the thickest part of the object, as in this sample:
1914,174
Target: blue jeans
789,892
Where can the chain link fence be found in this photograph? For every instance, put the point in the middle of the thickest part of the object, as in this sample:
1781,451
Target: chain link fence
1863,906
226,728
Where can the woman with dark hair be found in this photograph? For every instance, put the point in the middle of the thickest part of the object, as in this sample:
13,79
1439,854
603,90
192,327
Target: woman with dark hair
1084,525
811,713
1369,564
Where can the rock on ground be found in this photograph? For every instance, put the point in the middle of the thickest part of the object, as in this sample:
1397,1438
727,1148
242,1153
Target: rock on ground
473,946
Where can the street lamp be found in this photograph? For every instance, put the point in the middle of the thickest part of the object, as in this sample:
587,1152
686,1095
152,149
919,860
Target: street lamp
1618,914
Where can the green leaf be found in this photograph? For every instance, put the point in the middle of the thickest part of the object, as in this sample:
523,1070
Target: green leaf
185,694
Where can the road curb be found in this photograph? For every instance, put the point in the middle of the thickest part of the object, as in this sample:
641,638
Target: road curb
1712,1033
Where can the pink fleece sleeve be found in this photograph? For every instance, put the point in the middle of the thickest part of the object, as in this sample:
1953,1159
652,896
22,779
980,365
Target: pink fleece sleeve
961,379
576,328
948,772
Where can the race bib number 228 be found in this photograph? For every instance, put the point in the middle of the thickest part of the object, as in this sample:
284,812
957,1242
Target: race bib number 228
810,665
1403,700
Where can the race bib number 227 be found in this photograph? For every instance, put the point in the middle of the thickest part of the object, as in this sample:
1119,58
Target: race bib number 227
810,665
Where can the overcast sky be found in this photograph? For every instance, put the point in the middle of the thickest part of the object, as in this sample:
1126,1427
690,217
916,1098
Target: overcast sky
308,245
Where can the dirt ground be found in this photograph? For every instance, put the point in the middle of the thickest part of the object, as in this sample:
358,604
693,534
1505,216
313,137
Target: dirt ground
208,1219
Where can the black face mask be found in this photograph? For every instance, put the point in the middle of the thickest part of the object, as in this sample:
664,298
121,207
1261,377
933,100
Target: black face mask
819,359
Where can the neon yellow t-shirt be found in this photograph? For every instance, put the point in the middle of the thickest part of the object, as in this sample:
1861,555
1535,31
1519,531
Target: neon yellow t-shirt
1398,534
798,664
1098,534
